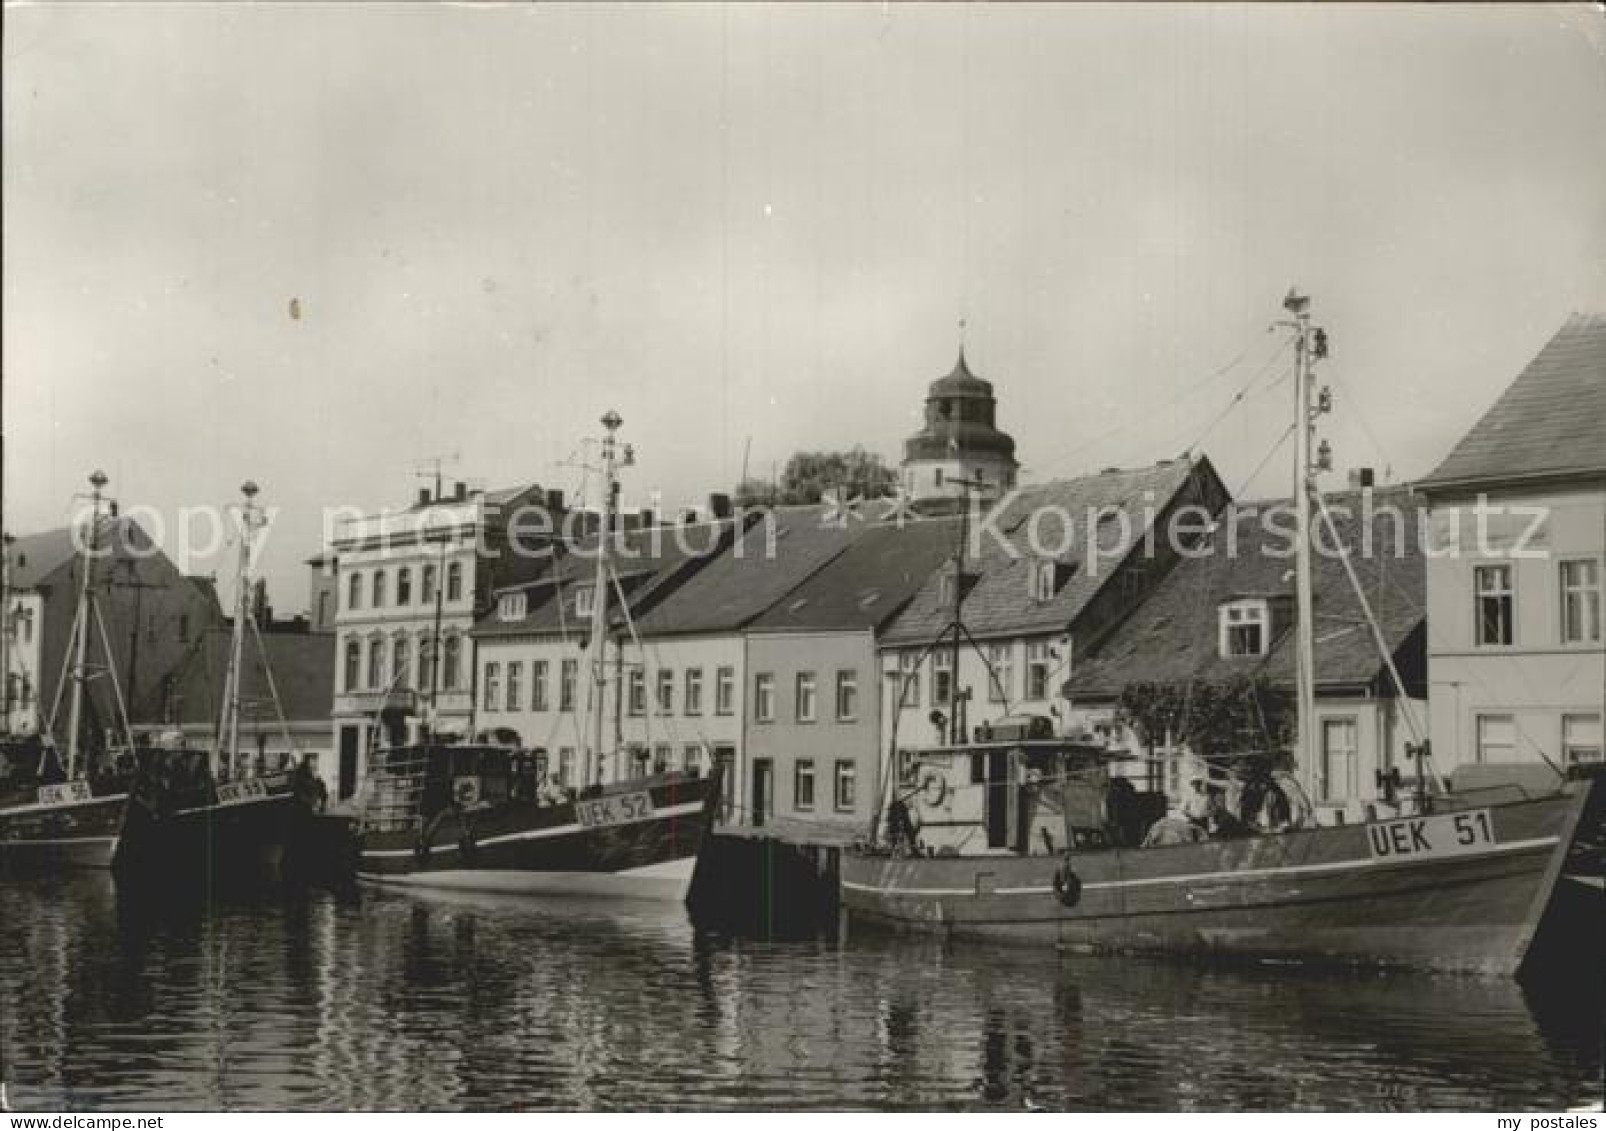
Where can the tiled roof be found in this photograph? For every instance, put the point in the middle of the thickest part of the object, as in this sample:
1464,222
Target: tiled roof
997,601
34,557
771,558
870,581
303,665
654,561
1173,635
1550,421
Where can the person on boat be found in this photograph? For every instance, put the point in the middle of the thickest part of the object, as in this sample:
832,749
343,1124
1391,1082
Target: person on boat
1202,804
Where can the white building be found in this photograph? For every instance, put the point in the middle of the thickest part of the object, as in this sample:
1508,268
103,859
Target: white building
1516,658
411,584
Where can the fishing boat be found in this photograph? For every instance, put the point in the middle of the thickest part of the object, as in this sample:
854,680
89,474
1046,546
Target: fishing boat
493,817
1455,882
64,809
186,824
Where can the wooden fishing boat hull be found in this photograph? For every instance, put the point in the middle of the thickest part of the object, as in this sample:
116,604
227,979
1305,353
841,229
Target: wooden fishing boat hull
562,849
59,835
246,841
1460,891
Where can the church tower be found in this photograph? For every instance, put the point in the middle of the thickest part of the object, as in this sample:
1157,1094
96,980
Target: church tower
960,441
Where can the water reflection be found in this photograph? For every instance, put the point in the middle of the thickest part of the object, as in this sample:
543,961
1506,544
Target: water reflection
375,1000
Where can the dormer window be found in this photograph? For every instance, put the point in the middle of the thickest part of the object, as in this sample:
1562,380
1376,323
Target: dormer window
1245,628
584,600
511,606
1043,579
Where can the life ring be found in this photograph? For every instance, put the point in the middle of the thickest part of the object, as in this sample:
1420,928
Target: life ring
925,790
1067,885
466,792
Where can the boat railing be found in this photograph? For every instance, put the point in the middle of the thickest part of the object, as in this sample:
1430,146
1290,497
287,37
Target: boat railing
395,794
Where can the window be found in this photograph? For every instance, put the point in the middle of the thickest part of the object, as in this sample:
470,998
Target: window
803,785
1580,739
515,686
692,757
694,691
1580,602
666,691
427,587
565,765
725,691
1039,662
404,586
661,756
426,663
847,696
1243,627
493,687
379,589
945,590
454,581
376,664
636,692
510,607
400,657
1492,586
585,600
1340,760
323,609
846,789
449,663
354,591
568,675
1497,738
538,685
1041,580
942,671
353,665
764,697
805,697
1001,673
908,679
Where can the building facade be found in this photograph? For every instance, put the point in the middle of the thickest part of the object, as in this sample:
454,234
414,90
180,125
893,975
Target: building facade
1517,662
1049,569
1223,624
812,736
152,616
411,585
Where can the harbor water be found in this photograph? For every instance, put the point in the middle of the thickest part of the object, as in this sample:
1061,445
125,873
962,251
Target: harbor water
380,1000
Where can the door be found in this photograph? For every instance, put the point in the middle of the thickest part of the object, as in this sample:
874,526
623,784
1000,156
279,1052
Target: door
997,800
350,745
725,759
763,791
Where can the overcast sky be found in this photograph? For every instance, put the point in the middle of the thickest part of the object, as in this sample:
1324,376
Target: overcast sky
764,224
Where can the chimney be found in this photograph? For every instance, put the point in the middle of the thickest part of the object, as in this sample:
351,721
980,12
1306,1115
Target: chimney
648,518
1360,478
423,496
554,501
460,491
688,517
719,506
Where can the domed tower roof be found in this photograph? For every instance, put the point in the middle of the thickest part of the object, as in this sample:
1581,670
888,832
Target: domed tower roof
960,420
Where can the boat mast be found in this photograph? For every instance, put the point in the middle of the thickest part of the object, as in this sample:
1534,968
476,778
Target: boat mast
97,480
1310,345
611,462
229,724
5,633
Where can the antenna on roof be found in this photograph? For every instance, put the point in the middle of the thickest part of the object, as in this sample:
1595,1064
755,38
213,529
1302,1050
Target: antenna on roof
430,468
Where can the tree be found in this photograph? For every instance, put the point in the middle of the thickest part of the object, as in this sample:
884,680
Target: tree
809,475
1236,715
